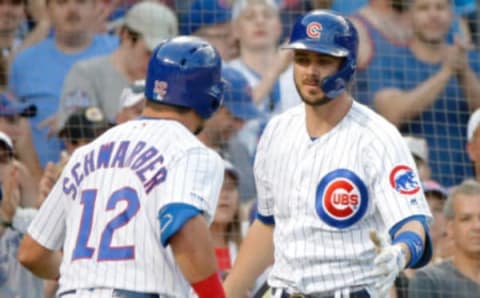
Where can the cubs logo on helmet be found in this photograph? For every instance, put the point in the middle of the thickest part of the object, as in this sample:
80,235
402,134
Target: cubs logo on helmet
340,40
160,89
341,198
404,180
314,29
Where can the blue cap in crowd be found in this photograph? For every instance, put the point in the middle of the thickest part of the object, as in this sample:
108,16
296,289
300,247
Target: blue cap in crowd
237,96
10,107
206,12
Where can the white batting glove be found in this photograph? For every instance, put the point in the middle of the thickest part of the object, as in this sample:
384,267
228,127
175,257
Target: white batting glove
388,263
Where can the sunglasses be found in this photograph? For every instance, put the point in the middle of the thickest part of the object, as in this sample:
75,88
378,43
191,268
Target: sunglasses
12,2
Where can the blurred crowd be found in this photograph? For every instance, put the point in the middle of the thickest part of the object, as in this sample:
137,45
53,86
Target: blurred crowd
70,69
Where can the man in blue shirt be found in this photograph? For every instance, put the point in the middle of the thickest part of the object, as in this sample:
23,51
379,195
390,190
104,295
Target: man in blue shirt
37,72
430,88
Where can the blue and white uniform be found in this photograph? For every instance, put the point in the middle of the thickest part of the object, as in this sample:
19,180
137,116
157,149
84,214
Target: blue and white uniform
106,207
325,195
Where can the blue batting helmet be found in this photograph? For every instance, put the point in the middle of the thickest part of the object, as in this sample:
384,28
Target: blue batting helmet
186,71
329,33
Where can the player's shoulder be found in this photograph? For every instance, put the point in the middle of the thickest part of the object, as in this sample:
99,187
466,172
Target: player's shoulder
371,123
284,119
282,125
171,133
169,136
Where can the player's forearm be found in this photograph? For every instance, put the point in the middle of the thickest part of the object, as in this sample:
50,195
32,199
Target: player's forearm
41,261
412,226
255,255
193,250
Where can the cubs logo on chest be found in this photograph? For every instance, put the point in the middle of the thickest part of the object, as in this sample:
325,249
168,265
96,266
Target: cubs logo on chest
341,198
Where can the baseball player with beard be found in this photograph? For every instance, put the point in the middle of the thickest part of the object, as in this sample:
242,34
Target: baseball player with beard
131,209
340,208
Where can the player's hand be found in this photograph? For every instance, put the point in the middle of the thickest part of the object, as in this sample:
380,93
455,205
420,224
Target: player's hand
388,263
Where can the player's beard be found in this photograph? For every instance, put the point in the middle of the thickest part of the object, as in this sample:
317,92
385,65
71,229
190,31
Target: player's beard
314,102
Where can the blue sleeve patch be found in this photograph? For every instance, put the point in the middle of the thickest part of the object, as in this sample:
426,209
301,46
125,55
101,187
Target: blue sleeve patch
268,220
428,250
172,217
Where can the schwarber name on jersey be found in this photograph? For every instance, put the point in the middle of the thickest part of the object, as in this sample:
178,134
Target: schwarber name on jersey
104,209
332,191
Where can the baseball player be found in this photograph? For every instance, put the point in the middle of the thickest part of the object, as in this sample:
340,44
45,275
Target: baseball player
331,174
131,209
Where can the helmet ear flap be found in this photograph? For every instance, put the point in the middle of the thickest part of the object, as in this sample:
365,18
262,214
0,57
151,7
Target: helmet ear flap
337,83
216,96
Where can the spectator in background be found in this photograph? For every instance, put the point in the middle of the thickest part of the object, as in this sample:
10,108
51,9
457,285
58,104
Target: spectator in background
82,127
37,73
430,88
14,123
133,102
269,71
219,131
99,81
473,144
436,196
458,277
12,13
226,225
15,281
419,149
211,20
237,108
257,27
382,28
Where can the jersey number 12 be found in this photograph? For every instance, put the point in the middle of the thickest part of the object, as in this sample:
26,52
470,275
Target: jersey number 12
105,250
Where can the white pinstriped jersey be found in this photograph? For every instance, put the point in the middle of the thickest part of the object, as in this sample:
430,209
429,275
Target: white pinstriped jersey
327,194
104,209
